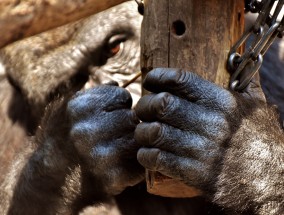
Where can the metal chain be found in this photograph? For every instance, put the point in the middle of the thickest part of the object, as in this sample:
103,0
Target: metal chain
268,25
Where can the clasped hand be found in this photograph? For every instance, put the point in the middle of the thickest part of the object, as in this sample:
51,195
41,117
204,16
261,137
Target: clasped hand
184,129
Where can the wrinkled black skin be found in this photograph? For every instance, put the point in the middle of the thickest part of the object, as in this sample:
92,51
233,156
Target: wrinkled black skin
88,123
186,126
213,139
96,132
102,133
192,130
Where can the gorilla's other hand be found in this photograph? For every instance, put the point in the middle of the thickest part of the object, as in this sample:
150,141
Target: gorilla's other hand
94,131
102,130
227,144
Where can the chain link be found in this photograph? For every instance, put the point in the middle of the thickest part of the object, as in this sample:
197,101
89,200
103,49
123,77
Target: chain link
268,25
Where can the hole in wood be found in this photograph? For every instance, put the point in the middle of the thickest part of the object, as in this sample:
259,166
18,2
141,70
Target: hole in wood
239,17
178,28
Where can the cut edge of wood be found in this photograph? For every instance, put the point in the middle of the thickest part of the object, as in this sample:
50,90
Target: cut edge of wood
27,18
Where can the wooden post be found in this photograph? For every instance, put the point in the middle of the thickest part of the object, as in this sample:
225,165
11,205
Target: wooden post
190,34
20,19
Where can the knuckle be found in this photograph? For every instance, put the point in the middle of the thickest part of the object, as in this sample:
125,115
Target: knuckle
70,110
150,158
221,122
212,155
228,102
123,119
76,133
73,109
104,92
103,152
224,129
158,161
118,97
81,131
184,77
119,91
207,150
218,128
124,95
165,103
157,133
132,117
79,104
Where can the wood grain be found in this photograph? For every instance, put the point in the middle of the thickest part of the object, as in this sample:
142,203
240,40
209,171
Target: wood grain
20,19
190,34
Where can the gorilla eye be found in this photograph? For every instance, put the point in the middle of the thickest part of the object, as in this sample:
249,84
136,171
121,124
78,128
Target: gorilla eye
116,49
115,44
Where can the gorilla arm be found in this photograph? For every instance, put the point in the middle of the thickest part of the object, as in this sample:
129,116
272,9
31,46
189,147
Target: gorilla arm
228,145
34,182
252,171
92,132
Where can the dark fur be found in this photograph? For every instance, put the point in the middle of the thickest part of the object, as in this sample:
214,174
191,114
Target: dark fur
252,174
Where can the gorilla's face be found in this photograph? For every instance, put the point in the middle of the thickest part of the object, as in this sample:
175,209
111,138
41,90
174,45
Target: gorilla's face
103,47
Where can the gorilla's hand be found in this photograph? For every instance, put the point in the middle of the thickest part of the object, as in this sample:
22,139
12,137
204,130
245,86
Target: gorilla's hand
85,153
227,144
102,130
185,127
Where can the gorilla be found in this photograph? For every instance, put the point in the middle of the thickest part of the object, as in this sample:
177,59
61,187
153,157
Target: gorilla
88,148
103,47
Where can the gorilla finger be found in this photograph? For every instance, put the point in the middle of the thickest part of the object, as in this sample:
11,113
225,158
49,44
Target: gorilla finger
167,108
191,87
173,140
117,178
149,106
123,179
111,97
107,152
182,114
188,170
120,121
105,127
96,100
